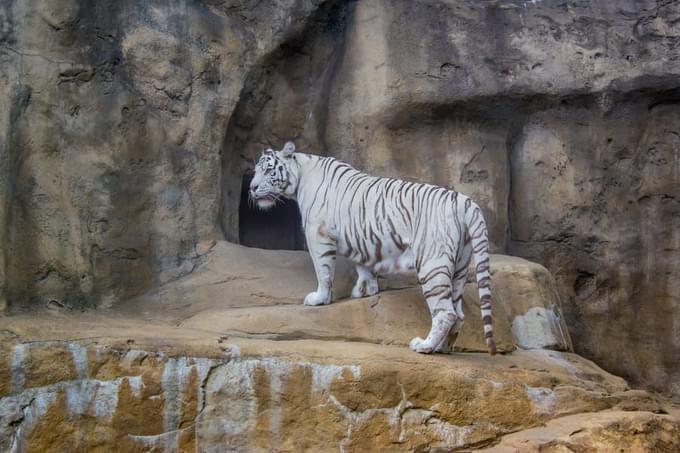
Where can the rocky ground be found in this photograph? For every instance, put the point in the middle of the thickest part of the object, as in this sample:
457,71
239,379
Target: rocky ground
227,359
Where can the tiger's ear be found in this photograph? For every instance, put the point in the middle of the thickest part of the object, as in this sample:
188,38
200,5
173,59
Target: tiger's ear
288,149
268,151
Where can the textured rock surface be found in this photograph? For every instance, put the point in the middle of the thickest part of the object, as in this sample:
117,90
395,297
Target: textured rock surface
227,359
559,117
258,293
609,431
111,131
145,387
126,128
529,297
612,240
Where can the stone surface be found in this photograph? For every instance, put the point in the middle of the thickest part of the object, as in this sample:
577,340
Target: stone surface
140,386
611,241
112,125
529,296
126,129
560,118
258,293
228,359
607,431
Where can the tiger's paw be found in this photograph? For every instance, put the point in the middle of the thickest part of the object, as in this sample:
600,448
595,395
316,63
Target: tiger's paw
419,345
316,298
365,288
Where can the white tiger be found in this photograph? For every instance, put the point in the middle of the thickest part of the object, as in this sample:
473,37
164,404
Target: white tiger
383,225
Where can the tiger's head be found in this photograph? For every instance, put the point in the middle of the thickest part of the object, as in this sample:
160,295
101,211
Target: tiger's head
276,176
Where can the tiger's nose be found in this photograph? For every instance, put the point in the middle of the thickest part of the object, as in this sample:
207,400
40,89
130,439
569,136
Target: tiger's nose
253,188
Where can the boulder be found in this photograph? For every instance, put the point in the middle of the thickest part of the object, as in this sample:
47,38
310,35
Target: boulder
258,293
529,295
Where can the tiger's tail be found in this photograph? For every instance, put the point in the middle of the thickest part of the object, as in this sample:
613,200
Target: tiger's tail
474,220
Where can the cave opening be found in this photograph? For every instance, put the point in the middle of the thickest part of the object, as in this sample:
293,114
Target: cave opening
284,97
278,228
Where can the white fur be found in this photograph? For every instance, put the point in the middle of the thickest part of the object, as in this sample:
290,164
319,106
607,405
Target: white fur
384,226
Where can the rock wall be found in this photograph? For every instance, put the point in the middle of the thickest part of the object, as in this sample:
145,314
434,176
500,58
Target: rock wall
112,126
559,118
127,127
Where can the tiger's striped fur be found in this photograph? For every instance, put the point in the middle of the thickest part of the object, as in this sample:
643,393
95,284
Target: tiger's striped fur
383,225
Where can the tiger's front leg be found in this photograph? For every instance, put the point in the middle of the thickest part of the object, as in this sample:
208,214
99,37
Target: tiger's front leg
322,248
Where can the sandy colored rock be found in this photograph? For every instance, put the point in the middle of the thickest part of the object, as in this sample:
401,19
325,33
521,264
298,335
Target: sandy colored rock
609,431
158,387
111,134
615,265
239,372
528,293
394,317
256,293
125,133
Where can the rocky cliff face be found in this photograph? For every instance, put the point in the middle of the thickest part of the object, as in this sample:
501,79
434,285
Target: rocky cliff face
67,396
248,368
126,129
112,129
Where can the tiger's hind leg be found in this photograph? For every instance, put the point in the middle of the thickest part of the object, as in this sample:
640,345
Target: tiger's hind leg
449,341
435,278
367,283
459,280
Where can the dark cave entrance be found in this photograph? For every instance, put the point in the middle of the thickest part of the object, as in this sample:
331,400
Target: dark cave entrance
285,96
279,228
